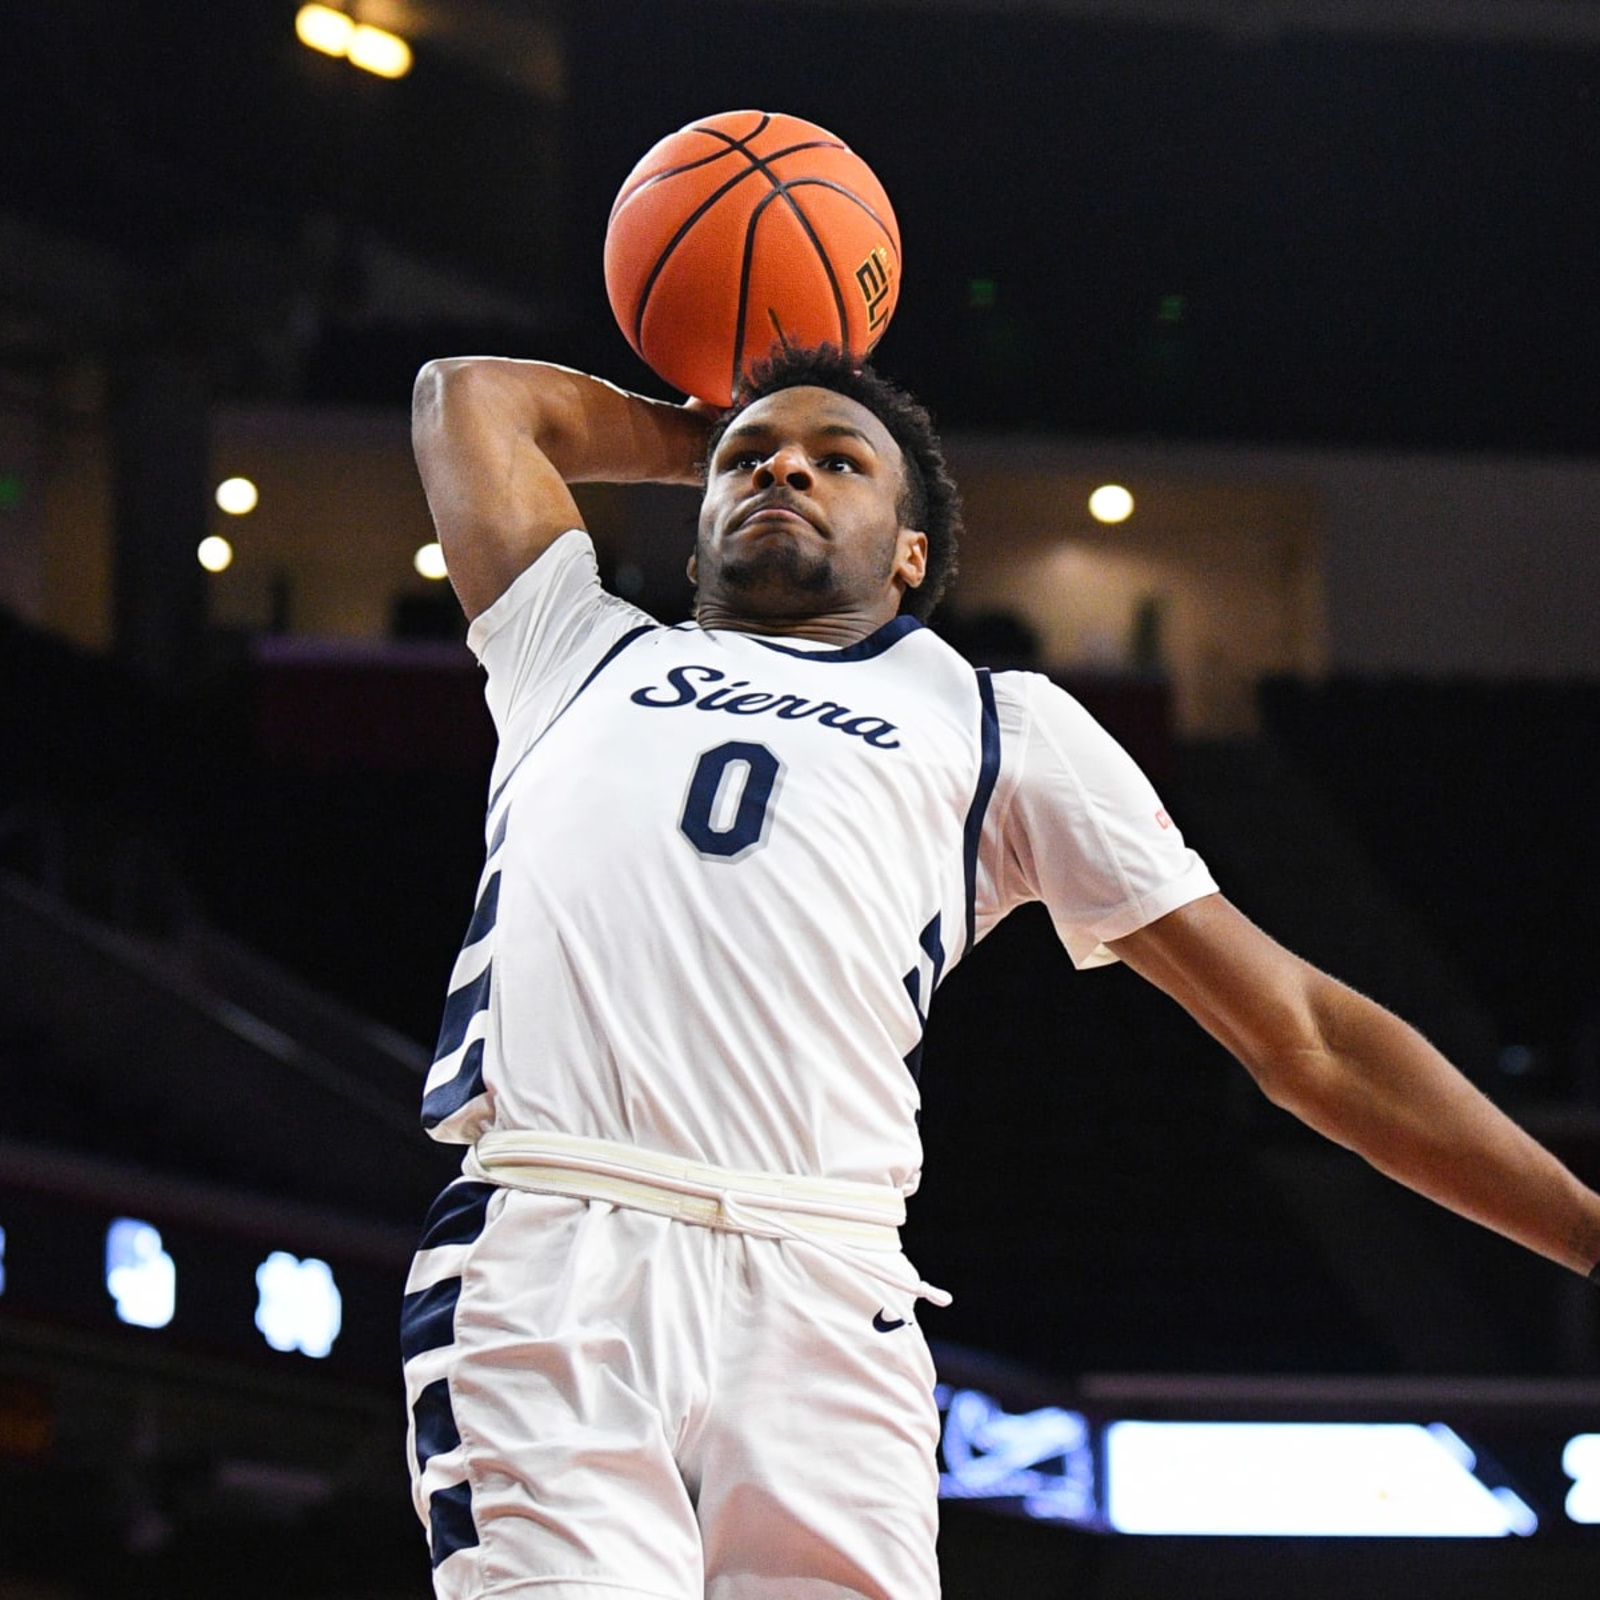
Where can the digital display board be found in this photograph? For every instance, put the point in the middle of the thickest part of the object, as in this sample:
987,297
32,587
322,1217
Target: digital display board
1470,1460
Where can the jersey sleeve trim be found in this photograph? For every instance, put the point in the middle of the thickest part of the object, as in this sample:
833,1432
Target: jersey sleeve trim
1195,884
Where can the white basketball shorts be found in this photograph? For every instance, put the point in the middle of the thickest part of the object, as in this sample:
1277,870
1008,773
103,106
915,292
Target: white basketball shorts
608,1403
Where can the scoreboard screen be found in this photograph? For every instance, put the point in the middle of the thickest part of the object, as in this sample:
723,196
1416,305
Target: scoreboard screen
1242,1458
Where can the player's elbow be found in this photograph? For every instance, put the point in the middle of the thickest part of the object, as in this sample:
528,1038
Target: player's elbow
1291,1055
437,382
1296,1078
449,383
1296,1048
1311,1078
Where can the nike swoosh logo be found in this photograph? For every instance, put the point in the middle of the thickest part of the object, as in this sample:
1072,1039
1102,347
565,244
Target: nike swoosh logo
886,1324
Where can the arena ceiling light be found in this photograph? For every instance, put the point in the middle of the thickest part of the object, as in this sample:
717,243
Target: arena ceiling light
1110,503
214,553
237,496
336,33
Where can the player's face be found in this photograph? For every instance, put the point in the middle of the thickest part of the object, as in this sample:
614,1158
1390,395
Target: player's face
801,514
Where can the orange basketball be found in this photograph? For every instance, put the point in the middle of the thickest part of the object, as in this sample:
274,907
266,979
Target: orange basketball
746,231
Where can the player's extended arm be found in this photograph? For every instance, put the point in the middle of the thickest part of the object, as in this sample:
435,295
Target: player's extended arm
498,441
1357,1073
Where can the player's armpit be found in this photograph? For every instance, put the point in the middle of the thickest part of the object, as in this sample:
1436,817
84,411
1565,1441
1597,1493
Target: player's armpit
1366,1079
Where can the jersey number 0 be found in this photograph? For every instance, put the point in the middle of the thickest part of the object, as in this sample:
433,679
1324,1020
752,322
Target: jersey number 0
730,796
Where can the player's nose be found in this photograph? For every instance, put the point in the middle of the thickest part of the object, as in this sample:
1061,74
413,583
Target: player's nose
786,465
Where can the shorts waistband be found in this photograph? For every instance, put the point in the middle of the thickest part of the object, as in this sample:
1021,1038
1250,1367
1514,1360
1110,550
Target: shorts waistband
865,1215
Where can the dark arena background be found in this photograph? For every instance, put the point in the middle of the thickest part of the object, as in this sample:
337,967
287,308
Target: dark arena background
1312,285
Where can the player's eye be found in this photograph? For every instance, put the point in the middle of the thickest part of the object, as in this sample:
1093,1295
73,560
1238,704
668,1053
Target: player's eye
840,463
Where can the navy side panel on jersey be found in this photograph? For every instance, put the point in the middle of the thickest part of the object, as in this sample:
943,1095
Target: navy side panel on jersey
455,1079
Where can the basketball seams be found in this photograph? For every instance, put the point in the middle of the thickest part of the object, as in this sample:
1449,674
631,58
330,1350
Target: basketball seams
780,191
685,228
650,180
730,146
833,184
744,294
758,163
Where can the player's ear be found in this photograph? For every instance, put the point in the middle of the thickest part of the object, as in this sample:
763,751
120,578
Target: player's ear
693,568
911,558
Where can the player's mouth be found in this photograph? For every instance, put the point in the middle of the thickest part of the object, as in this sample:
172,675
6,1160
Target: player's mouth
778,510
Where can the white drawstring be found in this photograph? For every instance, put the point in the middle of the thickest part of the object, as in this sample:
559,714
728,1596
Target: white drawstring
770,1225
850,1222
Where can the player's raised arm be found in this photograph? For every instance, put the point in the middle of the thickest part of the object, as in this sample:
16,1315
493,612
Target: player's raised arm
1357,1073
498,442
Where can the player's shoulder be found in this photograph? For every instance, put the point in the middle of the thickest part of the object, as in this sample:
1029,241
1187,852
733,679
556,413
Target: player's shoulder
554,626
1024,691
563,582
1035,714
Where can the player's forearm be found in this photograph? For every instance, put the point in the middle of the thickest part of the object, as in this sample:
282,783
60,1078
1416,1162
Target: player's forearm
1367,1080
589,430
1387,1094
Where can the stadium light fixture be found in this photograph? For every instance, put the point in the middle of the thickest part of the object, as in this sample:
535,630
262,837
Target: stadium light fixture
214,553
1111,503
322,28
378,51
430,562
336,33
237,496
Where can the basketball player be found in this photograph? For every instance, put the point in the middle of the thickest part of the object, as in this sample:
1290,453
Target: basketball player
660,1339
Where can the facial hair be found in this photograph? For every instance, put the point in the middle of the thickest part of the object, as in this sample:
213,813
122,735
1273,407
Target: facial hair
779,566
779,577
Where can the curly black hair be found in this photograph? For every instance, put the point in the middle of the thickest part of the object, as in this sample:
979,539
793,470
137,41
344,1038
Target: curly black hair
931,503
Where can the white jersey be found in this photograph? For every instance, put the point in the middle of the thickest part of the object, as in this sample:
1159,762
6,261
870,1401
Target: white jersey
726,873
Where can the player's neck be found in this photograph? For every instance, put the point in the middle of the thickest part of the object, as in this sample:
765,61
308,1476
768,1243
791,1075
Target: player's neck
843,627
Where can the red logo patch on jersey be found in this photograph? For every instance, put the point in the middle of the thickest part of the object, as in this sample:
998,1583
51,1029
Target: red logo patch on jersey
1163,819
